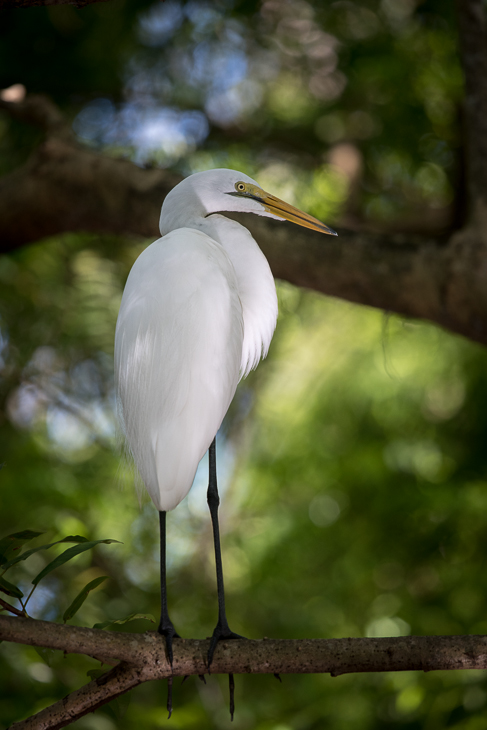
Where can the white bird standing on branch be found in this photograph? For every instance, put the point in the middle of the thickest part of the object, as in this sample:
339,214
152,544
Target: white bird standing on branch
198,313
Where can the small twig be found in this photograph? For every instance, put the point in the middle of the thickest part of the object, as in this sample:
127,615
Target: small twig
8,607
24,604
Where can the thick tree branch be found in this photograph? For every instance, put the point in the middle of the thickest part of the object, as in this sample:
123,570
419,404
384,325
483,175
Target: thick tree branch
143,659
473,44
84,700
68,187
65,186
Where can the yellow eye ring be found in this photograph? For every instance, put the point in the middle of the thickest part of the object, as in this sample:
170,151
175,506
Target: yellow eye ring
240,187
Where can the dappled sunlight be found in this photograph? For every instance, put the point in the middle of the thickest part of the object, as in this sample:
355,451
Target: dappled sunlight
352,468
352,480
200,71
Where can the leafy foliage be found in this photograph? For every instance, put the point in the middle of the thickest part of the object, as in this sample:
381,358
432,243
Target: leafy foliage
356,504
119,621
28,553
12,543
74,607
67,555
352,463
9,589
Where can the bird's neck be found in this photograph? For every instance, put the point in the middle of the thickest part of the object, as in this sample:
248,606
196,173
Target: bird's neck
257,290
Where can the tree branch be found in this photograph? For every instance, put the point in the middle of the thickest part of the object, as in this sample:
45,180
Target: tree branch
8,607
65,186
143,659
68,187
84,700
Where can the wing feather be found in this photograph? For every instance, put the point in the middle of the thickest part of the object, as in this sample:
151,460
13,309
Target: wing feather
178,347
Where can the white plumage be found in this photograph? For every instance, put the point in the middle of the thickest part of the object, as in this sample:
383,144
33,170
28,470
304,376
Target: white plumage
198,312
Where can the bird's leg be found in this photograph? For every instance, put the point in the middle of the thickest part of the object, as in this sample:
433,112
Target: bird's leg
222,630
166,627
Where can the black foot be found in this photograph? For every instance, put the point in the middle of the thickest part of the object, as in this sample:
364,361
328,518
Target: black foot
169,633
221,633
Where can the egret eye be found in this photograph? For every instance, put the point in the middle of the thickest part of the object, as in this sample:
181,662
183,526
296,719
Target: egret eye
240,187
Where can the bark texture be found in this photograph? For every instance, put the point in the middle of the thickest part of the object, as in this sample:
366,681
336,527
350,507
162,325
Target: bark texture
142,658
66,186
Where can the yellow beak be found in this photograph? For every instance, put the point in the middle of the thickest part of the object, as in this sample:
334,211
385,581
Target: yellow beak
283,210
290,213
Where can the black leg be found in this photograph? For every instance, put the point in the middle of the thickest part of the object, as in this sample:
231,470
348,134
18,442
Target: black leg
166,627
222,630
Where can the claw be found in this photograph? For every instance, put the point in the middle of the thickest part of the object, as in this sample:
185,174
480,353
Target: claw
220,634
169,697
169,634
231,684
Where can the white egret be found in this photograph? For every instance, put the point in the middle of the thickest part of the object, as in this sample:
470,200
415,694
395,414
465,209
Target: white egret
198,313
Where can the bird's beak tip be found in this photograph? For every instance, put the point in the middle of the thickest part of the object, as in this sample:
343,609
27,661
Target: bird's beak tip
328,230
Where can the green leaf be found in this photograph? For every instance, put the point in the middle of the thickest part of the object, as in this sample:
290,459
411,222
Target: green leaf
10,589
67,555
132,617
10,544
81,598
28,553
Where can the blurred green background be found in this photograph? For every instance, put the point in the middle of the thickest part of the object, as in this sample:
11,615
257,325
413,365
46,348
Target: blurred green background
352,462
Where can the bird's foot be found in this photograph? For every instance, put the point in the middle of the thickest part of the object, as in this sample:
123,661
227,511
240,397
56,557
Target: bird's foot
169,633
221,633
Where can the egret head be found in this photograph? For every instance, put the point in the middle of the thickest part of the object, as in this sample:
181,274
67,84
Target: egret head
220,190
